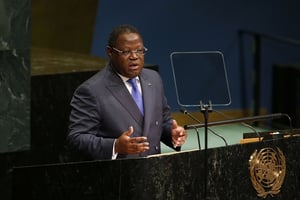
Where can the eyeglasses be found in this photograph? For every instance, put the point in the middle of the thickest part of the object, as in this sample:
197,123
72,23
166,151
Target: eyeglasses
128,52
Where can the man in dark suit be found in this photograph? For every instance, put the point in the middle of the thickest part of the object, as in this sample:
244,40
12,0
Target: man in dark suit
105,120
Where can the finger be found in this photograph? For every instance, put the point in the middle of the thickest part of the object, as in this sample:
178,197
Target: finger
179,141
130,131
182,138
182,133
142,147
138,139
138,147
174,124
145,147
176,142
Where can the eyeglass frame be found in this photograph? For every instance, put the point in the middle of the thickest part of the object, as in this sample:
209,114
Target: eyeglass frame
128,52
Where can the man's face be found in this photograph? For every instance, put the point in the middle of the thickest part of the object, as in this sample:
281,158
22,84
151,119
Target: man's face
131,63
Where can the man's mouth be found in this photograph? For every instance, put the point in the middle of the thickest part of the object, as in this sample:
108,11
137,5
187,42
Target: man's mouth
133,66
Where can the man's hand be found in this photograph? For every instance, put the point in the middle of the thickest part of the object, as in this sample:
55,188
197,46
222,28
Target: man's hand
179,135
127,145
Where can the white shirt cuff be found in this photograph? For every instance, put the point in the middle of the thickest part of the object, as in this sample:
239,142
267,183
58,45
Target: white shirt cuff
114,155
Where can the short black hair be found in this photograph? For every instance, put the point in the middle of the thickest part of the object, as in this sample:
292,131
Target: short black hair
121,29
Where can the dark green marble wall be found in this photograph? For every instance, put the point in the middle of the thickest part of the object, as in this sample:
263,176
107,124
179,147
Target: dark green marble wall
14,75
15,34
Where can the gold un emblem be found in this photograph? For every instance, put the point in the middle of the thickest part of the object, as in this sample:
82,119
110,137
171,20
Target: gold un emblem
267,171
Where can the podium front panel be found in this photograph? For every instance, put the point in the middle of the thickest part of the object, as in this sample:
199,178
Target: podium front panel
170,176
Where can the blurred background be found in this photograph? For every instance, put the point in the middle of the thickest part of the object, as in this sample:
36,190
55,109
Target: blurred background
259,40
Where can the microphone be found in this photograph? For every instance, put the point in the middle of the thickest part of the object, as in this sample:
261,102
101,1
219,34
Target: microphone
244,124
195,127
198,137
244,119
247,119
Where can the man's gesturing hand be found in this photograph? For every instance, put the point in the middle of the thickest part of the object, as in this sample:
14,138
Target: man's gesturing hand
179,134
127,145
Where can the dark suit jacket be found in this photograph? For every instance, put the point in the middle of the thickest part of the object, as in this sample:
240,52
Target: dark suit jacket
102,109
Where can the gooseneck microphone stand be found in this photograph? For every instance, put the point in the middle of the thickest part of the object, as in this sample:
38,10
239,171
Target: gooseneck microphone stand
205,109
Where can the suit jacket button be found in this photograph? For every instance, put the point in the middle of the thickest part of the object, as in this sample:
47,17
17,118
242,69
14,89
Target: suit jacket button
156,148
156,123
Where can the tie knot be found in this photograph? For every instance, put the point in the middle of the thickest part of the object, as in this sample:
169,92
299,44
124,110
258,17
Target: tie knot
132,81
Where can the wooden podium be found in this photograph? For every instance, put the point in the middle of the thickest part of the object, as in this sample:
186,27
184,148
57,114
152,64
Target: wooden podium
165,176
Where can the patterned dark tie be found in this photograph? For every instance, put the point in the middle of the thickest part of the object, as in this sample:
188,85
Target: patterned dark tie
135,93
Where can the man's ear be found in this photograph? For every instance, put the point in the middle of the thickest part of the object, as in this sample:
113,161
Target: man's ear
108,52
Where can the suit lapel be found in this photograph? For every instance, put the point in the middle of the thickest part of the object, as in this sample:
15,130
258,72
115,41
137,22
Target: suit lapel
120,92
149,100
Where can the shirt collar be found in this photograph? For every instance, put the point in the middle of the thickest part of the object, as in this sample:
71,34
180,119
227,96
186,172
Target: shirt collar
125,79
